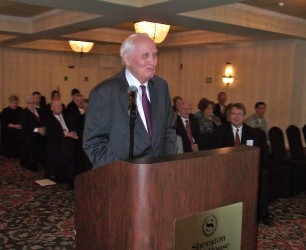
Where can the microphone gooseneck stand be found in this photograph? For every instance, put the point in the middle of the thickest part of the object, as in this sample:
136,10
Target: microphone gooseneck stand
133,116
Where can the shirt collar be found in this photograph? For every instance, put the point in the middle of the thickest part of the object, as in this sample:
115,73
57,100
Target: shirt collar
58,116
234,128
132,79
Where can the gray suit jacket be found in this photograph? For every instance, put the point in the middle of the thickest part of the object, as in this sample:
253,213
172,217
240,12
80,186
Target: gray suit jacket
106,132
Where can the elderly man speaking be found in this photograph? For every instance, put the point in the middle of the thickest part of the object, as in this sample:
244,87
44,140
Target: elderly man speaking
107,131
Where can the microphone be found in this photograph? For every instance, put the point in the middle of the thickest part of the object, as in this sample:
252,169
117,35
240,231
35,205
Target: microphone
132,101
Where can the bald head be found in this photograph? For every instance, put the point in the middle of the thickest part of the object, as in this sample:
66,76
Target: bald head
184,109
56,107
139,55
30,102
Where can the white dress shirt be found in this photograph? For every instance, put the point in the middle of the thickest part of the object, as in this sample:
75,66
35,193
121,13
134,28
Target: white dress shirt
184,122
133,81
239,132
60,118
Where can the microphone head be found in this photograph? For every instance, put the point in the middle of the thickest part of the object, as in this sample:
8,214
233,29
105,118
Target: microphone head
132,88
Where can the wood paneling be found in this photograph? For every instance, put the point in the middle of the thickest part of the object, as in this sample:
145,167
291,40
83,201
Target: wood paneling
134,205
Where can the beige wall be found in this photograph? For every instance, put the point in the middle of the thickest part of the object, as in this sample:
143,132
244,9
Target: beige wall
273,72
23,71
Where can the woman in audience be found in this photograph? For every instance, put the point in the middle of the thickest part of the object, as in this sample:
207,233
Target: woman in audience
11,128
208,123
176,102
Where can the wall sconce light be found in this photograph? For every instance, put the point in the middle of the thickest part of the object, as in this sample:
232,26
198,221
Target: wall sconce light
228,77
80,46
156,31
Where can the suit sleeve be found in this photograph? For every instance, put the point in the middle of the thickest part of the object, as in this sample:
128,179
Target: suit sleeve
96,141
170,147
218,135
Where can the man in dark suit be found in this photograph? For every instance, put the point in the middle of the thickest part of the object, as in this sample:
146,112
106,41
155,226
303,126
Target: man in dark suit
187,128
39,102
64,155
33,137
221,108
11,128
72,106
235,133
106,132
76,109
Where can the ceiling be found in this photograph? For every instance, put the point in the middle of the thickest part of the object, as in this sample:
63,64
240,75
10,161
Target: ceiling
49,24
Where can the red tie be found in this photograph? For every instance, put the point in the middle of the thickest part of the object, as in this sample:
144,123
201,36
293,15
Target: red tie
237,139
188,131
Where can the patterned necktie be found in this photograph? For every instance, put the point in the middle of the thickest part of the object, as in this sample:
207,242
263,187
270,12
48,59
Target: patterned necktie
188,131
146,109
237,139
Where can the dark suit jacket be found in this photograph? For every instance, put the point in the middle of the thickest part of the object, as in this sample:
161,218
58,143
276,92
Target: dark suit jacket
224,136
63,153
106,132
181,131
72,108
54,131
33,150
29,122
217,112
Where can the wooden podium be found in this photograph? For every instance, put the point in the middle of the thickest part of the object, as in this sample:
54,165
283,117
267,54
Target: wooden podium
133,205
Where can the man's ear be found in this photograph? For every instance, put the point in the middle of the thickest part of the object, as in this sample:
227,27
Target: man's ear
127,59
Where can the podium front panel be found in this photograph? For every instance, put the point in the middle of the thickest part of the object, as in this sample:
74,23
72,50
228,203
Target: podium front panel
133,205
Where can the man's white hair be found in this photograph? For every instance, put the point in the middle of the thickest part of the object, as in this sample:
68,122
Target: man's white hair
129,44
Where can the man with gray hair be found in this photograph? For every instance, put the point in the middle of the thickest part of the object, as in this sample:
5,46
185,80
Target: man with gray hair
106,131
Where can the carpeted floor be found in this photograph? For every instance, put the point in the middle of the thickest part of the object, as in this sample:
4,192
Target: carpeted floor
289,231
33,216
42,217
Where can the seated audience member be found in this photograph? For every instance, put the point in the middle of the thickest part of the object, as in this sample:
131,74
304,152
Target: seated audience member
235,133
64,155
257,120
82,105
43,101
11,128
40,102
220,107
177,100
197,115
33,136
208,123
78,113
72,107
55,95
187,128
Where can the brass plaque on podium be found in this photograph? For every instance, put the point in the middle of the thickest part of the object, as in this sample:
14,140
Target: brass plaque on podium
216,229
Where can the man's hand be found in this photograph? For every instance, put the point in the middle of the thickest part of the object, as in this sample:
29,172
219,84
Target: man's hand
72,134
42,130
194,147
